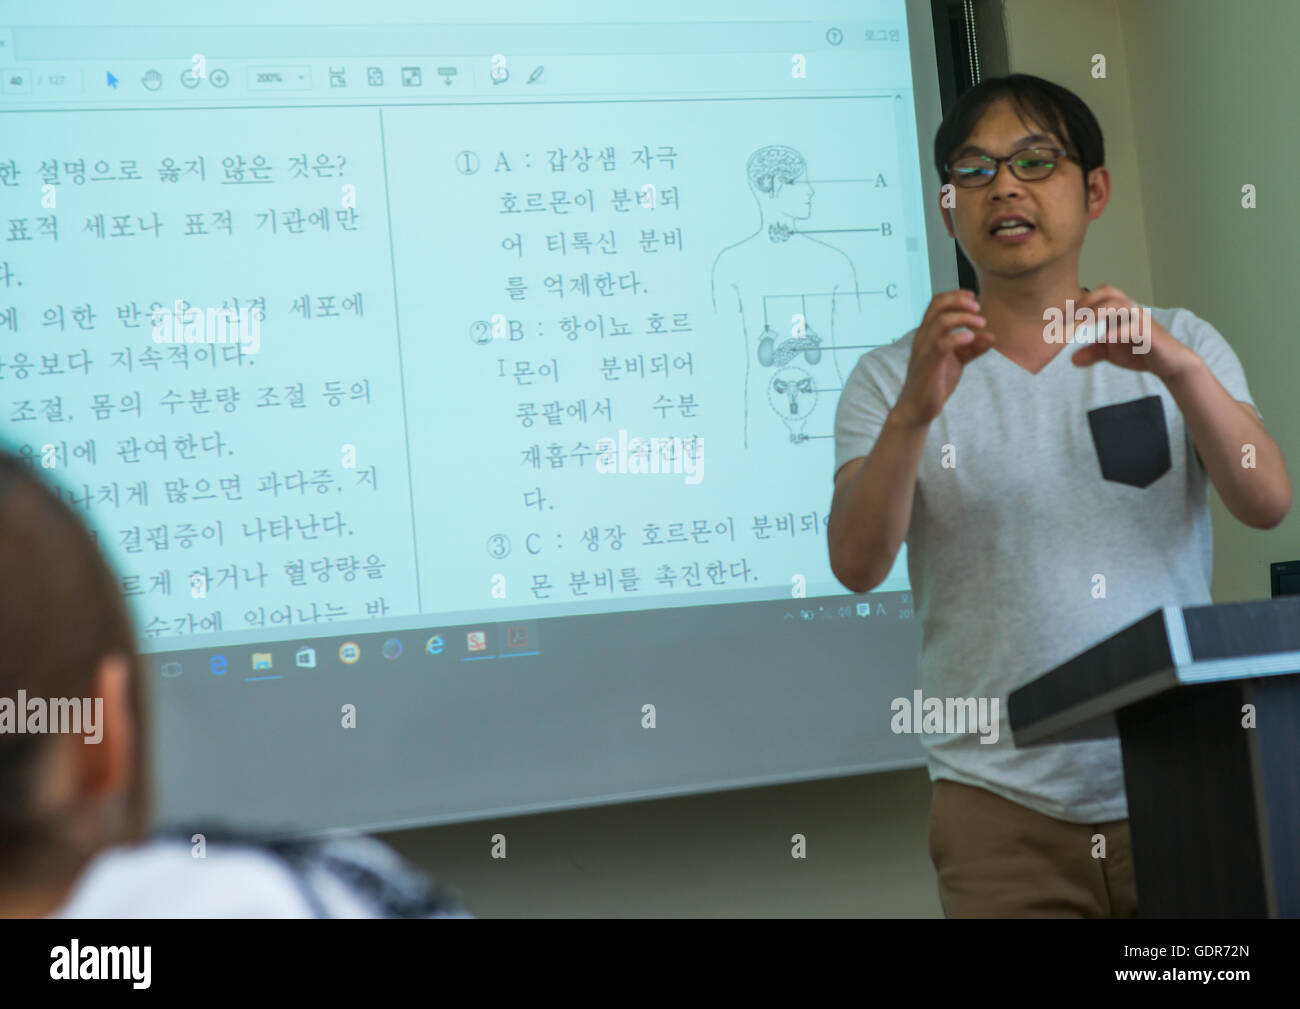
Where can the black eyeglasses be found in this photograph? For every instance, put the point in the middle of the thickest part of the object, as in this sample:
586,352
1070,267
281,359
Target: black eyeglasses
1033,164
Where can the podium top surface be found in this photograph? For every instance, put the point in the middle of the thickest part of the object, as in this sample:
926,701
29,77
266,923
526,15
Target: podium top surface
1170,647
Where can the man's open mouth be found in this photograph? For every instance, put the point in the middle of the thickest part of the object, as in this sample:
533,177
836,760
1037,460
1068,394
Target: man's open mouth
1009,226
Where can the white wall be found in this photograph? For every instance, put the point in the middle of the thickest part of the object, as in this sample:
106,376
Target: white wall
726,854
1219,116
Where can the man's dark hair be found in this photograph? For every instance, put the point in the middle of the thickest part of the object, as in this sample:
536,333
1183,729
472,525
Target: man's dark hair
1048,106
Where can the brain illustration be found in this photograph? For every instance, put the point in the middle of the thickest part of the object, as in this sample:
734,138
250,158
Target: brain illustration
770,168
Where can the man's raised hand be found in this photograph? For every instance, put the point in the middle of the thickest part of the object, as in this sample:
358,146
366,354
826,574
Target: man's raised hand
950,336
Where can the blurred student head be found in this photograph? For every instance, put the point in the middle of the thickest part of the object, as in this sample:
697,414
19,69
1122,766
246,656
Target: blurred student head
66,640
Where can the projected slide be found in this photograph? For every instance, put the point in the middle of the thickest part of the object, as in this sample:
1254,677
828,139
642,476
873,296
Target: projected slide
455,400
305,366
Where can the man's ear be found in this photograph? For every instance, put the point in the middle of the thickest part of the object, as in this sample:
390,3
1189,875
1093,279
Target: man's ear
1096,191
947,217
106,766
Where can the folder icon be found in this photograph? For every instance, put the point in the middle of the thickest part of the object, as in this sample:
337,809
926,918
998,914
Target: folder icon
261,660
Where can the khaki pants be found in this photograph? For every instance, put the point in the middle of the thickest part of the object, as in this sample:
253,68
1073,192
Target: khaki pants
997,858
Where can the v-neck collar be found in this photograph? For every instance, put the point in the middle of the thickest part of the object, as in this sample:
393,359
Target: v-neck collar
1064,351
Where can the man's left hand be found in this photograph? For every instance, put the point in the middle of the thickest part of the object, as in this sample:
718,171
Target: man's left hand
1127,335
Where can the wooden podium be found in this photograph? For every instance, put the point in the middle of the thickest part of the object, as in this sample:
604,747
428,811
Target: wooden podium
1214,805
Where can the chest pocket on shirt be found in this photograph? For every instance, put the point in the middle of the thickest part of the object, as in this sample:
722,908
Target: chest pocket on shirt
1132,441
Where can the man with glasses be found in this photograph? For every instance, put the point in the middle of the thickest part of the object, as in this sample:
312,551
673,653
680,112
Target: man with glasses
1049,494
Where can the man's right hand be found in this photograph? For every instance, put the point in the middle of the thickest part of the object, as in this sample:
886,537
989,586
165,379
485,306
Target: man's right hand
939,354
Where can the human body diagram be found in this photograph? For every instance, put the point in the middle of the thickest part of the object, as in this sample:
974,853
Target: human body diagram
796,305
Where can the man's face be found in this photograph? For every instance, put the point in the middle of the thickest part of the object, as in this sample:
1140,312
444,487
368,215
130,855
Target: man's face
1053,207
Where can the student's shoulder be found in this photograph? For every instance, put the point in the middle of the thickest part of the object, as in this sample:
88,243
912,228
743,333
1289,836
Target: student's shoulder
216,875
167,878
355,870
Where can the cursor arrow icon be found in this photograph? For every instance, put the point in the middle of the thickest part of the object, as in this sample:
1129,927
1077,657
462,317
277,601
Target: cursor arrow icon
112,81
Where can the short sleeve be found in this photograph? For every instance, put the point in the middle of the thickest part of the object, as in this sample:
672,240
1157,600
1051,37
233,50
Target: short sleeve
1215,351
860,415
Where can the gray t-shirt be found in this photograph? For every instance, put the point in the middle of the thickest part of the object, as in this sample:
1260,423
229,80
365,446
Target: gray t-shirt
1022,500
